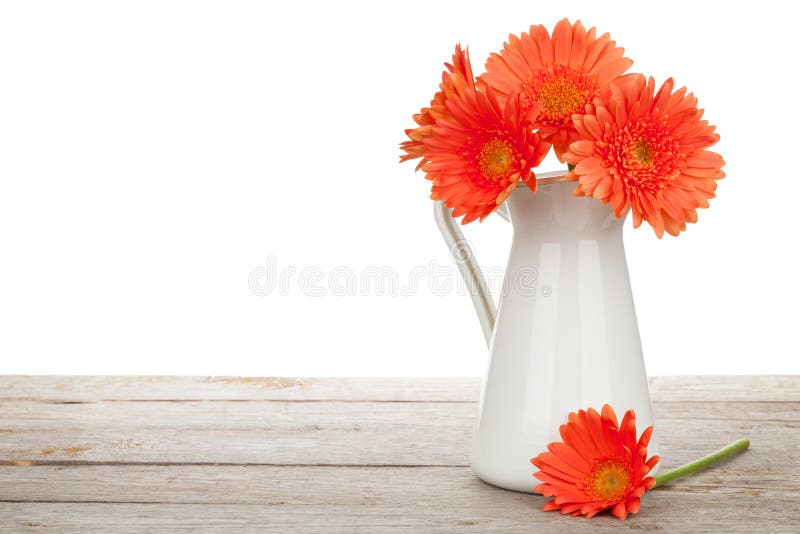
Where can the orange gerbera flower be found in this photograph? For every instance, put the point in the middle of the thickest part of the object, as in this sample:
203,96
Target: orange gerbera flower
646,151
563,72
598,466
478,152
415,147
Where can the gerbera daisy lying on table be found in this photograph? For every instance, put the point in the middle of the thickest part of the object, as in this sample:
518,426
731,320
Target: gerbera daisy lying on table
628,145
601,465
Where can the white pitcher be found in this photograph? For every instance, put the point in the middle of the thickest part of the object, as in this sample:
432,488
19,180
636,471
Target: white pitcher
564,336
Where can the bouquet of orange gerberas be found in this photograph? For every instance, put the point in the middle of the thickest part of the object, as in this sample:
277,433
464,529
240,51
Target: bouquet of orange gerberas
627,143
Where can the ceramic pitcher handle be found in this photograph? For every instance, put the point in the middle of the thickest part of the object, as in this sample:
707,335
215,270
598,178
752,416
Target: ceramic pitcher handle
465,259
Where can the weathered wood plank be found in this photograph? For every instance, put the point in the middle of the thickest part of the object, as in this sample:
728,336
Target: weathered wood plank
766,388
309,485
378,500
290,416
97,388
228,432
347,433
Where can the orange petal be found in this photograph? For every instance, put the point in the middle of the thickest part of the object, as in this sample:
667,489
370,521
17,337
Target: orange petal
633,504
582,147
619,511
588,165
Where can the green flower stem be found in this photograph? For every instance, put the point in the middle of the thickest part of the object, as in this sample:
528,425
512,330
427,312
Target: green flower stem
706,461
570,167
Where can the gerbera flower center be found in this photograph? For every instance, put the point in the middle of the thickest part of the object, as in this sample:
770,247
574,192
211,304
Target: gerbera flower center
560,97
644,154
562,92
609,480
496,159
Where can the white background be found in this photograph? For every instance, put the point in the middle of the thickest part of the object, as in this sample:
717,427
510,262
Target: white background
152,154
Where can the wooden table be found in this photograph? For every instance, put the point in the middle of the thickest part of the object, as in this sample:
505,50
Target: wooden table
179,454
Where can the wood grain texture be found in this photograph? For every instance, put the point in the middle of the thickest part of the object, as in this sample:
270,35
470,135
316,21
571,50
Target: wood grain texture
194,454
342,499
232,388
326,433
765,388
